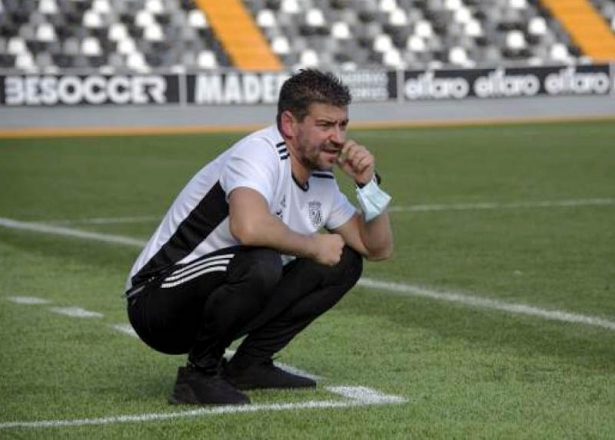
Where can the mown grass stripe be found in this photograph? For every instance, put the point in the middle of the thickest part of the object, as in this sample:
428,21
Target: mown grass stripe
485,303
397,288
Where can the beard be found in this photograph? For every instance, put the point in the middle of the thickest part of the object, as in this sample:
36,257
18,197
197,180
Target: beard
322,157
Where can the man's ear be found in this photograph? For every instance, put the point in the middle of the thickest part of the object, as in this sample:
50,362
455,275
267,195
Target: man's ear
287,124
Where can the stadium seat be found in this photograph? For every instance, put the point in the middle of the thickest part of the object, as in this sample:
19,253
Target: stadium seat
280,45
47,7
136,61
90,47
46,32
340,31
327,33
207,60
25,61
196,19
559,53
265,18
309,58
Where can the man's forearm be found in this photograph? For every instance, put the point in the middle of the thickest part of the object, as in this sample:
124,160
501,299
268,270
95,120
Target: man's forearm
377,237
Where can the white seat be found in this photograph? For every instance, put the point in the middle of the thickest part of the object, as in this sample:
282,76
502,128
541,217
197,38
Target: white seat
197,19
309,58
290,6
452,5
392,58
266,18
280,45
613,23
559,52
46,32
388,5
44,6
25,61
16,45
92,19
463,15
458,55
537,26
154,6
126,46
416,44
315,17
153,33
117,32
144,18
398,17
517,4
90,46
340,30
101,6
136,61
473,28
382,43
515,40
423,28
207,60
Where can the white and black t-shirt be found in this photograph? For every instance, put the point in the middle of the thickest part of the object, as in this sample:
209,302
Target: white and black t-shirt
197,221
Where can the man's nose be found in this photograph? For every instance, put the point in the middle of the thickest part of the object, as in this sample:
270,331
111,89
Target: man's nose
338,136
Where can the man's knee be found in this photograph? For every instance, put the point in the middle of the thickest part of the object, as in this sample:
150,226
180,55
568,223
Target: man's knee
351,266
347,272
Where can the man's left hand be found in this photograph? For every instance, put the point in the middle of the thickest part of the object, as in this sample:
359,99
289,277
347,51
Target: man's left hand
357,162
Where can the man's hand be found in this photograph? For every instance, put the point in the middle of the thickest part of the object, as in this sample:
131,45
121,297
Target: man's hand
328,248
357,162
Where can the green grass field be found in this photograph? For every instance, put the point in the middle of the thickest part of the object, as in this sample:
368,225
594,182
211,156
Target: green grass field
494,319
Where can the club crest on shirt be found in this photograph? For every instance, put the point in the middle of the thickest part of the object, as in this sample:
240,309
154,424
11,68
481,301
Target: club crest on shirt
315,213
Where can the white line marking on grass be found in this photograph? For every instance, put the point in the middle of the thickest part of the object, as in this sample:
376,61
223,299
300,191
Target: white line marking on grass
76,312
515,205
27,300
58,230
353,397
485,303
364,394
126,329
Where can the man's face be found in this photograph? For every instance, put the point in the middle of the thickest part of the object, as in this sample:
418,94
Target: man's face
320,136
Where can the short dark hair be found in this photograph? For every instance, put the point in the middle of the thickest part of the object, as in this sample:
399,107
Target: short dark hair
310,86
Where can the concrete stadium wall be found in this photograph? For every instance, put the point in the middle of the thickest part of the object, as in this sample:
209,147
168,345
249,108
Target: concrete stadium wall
22,121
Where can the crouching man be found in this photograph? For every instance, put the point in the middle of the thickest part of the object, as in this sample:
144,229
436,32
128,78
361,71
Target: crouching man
242,251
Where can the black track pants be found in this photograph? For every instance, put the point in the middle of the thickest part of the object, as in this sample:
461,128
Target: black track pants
201,308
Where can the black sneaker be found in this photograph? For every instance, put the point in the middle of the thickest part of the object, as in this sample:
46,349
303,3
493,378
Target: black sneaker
194,387
263,375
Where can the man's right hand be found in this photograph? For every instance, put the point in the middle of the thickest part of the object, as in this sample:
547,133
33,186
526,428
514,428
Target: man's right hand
328,248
